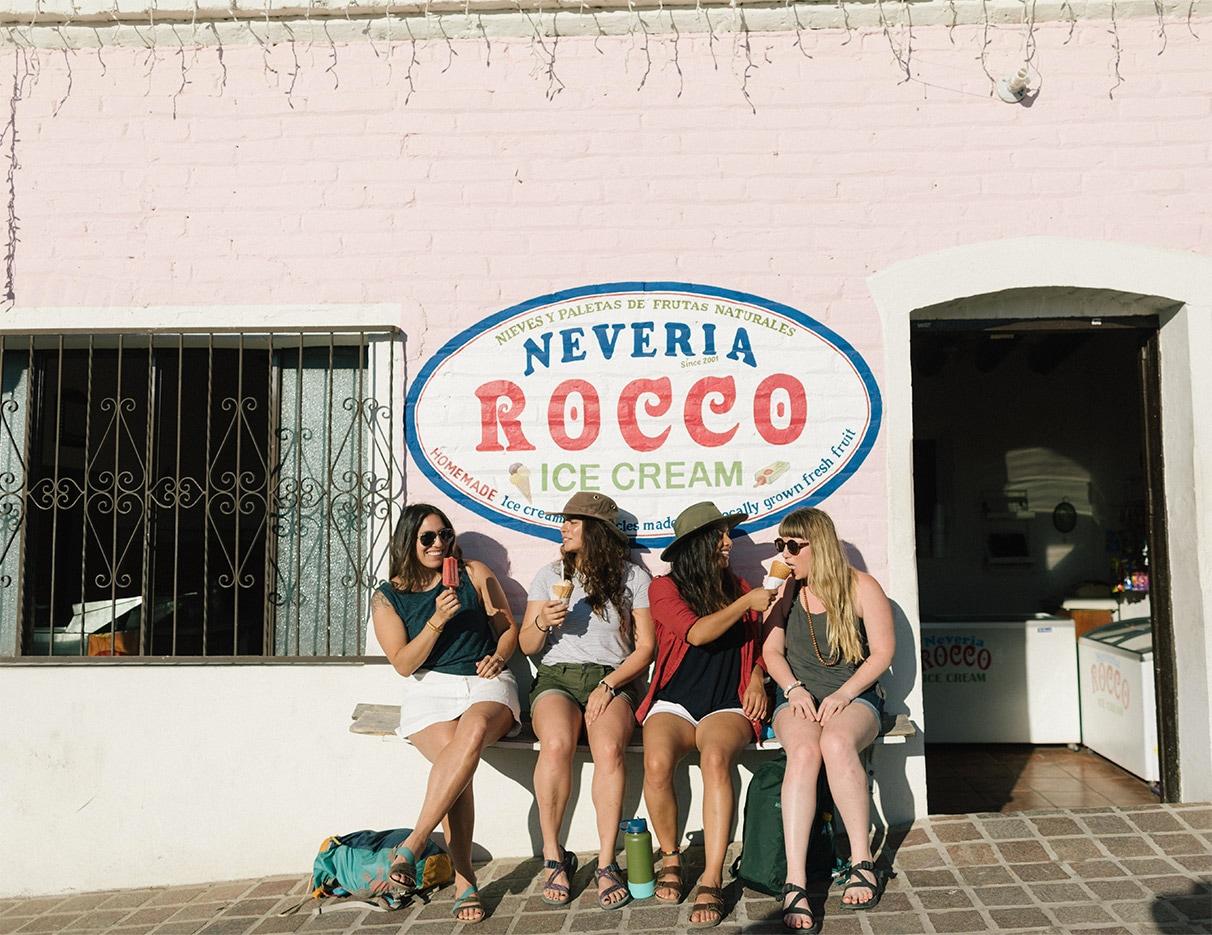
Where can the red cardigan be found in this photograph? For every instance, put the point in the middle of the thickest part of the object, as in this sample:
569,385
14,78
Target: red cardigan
673,618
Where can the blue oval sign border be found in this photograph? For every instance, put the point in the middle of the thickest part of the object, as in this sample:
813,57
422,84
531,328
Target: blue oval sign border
464,337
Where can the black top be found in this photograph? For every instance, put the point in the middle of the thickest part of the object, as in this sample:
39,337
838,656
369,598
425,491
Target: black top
707,678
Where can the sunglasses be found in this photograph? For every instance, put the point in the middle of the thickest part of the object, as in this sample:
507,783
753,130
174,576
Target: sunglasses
446,535
790,546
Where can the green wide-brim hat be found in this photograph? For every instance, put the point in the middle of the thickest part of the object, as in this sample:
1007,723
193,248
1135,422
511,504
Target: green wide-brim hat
696,517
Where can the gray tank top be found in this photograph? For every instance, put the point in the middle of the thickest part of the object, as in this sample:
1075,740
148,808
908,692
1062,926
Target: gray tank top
820,679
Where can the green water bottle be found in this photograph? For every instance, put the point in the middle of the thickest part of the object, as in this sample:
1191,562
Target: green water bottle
638,844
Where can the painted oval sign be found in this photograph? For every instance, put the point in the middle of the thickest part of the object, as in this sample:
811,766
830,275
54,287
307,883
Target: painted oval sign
659,394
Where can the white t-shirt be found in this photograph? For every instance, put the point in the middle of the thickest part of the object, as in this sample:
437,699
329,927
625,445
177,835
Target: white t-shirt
586,636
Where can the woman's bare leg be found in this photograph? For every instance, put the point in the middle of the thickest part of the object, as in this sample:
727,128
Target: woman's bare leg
454,748
800,738
557,723
719,737
842,738
608,739
667,739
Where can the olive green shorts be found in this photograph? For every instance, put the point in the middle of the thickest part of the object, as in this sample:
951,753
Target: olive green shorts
577,681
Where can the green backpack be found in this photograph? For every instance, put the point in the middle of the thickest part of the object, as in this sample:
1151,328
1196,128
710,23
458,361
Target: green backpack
762,863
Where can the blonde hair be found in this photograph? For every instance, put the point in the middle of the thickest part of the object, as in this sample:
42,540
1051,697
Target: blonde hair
830,578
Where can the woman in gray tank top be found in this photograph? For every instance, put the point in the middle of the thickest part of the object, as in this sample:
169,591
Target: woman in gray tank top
830,638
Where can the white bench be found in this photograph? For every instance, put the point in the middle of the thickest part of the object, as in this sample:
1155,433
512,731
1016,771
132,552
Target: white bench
381,720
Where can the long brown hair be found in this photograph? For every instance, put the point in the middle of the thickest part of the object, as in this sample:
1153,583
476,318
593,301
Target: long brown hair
407,573
830,577
602,565
695,569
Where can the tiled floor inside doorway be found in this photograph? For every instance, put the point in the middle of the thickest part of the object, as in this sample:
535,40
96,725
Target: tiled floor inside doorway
963,778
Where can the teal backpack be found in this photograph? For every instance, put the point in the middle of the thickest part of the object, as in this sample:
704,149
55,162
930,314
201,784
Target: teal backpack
354,867
762,863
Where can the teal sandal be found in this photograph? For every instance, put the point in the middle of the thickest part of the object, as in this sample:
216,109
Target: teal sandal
469,900
403,872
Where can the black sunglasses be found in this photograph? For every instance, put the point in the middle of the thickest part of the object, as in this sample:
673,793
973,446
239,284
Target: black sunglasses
446,534
790,546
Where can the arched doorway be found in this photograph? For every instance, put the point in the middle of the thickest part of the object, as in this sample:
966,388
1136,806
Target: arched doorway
1057,286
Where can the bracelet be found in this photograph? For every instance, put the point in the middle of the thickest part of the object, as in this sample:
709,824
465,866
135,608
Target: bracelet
429,623
604,684
793,686
539,628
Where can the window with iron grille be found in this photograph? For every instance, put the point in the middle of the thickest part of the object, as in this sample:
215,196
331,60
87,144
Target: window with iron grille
193,495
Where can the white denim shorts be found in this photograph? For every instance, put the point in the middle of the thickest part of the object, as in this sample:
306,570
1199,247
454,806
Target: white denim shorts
672,707
432,697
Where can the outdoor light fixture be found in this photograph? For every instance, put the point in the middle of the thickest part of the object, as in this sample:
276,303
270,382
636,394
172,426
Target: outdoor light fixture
1012,89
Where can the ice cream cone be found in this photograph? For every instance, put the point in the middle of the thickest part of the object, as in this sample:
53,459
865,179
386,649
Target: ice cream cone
519,476
779,573
562,590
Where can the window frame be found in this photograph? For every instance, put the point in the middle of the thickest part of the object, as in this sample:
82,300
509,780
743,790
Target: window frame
381,379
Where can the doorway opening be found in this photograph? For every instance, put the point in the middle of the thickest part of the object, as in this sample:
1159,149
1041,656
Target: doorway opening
1031,489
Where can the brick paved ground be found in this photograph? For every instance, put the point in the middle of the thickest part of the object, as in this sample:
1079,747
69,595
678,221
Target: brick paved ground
1094,870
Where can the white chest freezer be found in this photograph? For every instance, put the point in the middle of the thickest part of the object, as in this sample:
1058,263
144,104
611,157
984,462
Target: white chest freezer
1119,707
1000,680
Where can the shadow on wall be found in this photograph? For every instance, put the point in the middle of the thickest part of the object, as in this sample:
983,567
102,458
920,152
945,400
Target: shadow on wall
484,549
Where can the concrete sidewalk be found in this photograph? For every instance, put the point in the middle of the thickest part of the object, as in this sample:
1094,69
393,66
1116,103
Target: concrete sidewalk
1091,870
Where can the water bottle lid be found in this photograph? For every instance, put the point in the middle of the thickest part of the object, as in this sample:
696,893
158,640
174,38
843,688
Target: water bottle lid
634,826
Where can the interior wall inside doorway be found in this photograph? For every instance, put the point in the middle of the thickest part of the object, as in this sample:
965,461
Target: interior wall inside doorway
1028,464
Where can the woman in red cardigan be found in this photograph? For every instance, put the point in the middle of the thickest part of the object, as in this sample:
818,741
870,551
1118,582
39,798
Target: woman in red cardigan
707,693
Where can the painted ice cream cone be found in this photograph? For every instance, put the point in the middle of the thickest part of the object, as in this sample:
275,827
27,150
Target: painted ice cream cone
519,476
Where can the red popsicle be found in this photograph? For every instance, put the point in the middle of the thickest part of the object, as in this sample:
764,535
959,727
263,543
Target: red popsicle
450,572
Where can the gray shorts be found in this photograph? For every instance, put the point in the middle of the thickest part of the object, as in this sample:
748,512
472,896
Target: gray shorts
872,698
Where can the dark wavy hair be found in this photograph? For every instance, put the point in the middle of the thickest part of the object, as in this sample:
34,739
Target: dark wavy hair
602,564
406,572
695,569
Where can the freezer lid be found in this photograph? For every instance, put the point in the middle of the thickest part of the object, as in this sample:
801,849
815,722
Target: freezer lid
1134,636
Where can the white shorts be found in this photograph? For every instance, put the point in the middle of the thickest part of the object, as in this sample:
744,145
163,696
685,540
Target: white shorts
671,707
432,697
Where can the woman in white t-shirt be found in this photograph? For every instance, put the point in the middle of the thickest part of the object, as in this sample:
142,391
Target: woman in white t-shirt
592,648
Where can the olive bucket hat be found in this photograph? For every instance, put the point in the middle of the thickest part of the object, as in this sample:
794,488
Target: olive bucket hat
694,518
595,506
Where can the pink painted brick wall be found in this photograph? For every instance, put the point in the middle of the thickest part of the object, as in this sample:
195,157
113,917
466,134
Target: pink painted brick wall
480,192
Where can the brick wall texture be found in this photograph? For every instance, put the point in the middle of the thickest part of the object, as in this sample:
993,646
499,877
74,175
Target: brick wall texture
454,184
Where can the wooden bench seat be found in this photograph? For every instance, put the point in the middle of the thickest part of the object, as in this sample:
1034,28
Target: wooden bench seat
381,720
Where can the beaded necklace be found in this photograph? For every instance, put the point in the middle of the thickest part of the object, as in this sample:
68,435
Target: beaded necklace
837,656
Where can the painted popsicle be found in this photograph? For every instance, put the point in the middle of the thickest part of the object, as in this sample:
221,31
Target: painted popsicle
450,572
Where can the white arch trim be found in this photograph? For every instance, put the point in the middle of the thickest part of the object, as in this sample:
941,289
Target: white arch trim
1038,262
1185,280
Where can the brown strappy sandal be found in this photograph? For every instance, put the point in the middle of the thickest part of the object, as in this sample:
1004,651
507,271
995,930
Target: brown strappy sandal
670,879
709,899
